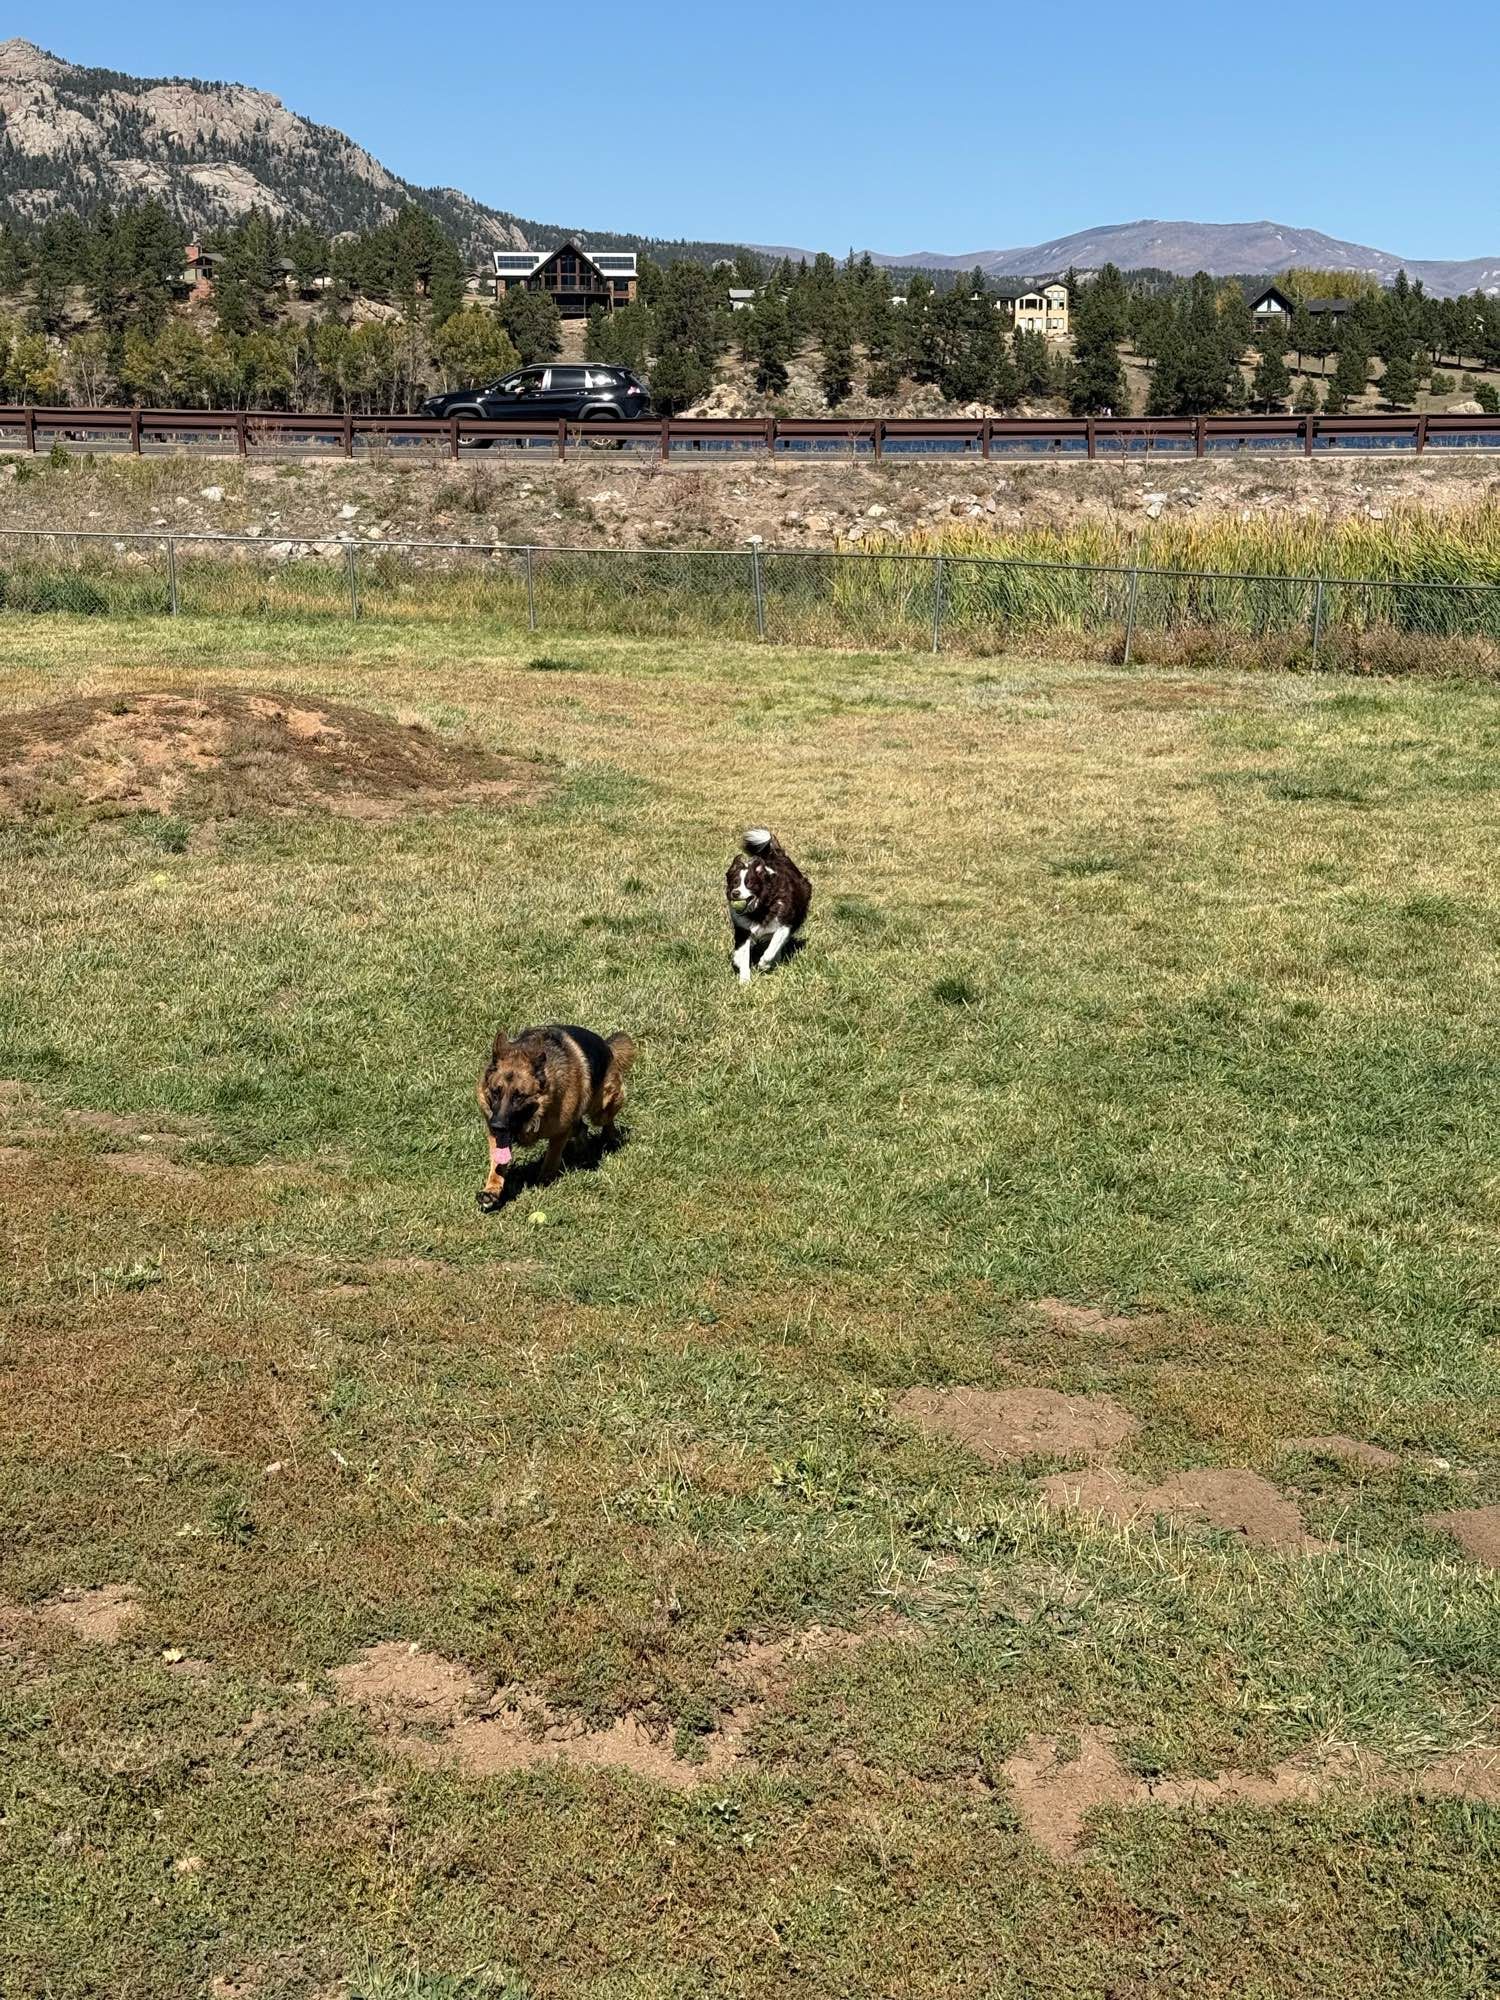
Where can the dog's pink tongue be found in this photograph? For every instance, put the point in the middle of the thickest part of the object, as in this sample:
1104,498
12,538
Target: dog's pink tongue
499,1155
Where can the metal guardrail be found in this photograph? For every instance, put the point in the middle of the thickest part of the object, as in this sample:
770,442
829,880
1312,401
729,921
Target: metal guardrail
871,598
247,433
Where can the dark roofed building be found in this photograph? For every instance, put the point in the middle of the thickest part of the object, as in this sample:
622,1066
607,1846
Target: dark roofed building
1275,307
579,280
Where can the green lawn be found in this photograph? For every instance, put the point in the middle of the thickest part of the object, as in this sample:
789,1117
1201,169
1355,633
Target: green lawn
1169,997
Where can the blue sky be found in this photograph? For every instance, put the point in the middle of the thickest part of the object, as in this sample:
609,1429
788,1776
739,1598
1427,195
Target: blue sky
948,127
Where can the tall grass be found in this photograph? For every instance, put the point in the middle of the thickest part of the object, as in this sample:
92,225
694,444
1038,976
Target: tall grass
1269,592
1411,544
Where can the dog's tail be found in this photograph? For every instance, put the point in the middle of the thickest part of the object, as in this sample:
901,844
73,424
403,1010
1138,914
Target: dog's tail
623,1050
761,840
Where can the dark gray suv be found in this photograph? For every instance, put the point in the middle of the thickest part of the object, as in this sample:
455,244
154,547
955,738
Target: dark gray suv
589,393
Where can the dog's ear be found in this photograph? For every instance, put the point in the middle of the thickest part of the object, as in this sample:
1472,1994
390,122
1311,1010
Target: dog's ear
499,1045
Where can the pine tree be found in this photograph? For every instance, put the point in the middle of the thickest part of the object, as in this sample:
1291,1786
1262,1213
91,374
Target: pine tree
246,280
533,323
1398,385
1271,385
1203,373
1033,359
1306,400
1351,372
766,342
836,375
1100,316
107,275
690,334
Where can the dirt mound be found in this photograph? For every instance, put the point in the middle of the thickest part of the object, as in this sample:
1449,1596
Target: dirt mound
1228,1497
1475,1529
1001,1425
222,753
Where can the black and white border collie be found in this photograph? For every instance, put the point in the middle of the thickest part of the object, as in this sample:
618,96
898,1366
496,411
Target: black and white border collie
768,897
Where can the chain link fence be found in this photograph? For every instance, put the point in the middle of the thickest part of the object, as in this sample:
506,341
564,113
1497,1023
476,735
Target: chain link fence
870,600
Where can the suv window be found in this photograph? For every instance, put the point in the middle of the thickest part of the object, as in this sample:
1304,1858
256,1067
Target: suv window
602,378
564,379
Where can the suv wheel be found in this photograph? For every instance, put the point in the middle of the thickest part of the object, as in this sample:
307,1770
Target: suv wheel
468,416
601,413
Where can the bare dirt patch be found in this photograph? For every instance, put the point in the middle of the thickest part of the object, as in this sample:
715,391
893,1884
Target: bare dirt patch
1346,1451
401,1685
433,1712
1475,1529
1054,1791
1227,1497
1002,1425
1089,1321
519,1732
1057,1781
404,1691
102,1616
223,753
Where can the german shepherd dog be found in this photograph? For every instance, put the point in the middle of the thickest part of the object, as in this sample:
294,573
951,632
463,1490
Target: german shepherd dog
768,897
542,1083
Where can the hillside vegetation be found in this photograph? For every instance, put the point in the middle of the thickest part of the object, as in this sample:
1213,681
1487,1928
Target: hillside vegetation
294,319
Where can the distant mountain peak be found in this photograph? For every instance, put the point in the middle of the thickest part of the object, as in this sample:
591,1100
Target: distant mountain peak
1223,249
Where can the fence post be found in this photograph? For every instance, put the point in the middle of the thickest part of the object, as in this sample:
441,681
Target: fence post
135,430
242,434
666,439
1422,432
1309,425
757,587
937,602
1135,584
453,437
562,437
348,435
351,563
1090,440
31,430
1200,433
530,592
172,575
1317,620
879,438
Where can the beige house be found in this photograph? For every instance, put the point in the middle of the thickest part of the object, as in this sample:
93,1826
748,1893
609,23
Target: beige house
1042,309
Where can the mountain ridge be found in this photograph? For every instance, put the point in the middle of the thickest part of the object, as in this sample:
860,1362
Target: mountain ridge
74,136
1223,249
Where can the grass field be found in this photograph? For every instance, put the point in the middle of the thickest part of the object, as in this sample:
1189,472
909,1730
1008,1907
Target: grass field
1142,1050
